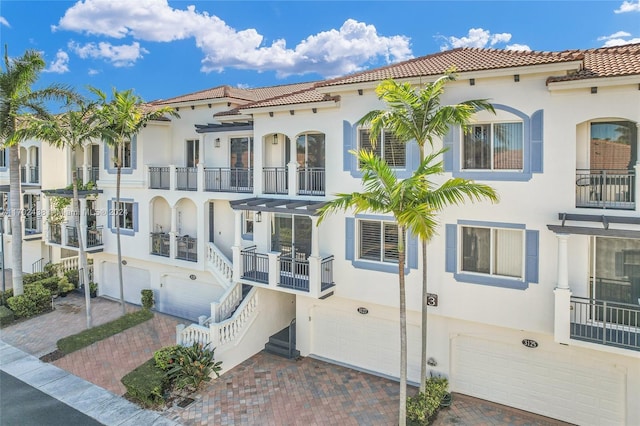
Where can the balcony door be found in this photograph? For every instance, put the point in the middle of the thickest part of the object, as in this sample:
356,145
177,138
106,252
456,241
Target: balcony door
291,236
193,152
310,155
241,162
615,278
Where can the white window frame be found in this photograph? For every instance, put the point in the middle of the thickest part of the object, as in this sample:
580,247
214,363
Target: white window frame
492,252
381,142
491,167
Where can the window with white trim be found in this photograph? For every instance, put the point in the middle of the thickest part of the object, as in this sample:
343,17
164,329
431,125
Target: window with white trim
123,214
493,146
378,241
387,146
493,251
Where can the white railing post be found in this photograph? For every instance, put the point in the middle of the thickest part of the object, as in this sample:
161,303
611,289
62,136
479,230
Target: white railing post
274,270
315,271
562,317
214,312
179,329
637,186
200,177
293,178
172,177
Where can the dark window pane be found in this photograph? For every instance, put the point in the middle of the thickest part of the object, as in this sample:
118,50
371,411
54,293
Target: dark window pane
370,240
476,246
477,147
390,243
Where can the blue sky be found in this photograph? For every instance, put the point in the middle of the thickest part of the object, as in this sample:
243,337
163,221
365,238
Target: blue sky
166,48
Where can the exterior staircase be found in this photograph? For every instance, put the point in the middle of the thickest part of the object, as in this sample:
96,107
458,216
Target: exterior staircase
283,343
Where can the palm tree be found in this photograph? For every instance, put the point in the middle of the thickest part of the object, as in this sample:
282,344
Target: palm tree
416,114
414,203
73,129
19,103
124,116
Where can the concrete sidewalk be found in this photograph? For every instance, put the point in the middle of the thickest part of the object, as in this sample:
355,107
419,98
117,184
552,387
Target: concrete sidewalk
95,402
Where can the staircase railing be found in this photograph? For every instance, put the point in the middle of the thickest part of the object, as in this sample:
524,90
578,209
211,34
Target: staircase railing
69,263
219,264
230,330
194,334
37,266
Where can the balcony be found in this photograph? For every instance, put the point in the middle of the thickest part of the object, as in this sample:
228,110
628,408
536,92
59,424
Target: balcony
93,174
604,322
159,177
34,174
72,236
187,178
275,180
219,179
94,237
605,189
311,276
23,174
55,233
311,181
160,244
187,248
32,225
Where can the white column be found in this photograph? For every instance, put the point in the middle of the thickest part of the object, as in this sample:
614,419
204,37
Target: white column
172,233
237,245
563,261
172,177
46,209
562,317
27,168
81,224
637,186
315,237
273,268
200,177
86,160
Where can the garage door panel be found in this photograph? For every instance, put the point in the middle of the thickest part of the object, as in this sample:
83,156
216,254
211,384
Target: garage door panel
536,380
187,299
133,279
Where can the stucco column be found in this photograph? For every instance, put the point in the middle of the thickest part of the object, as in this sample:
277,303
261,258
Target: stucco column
563,261
315,237
237,245
172,233
46,206
562,314
86,160
637,185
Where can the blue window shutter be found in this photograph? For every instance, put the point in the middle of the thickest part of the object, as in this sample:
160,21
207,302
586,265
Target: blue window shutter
350,237
537,132
412,251
448,142
135,217
451,248
134,152
109,214
532,248
347,144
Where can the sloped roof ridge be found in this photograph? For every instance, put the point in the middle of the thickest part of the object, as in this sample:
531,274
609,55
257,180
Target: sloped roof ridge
284,95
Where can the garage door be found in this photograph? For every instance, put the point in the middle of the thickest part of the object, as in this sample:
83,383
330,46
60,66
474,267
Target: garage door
556,385
364,341
187,299
134,280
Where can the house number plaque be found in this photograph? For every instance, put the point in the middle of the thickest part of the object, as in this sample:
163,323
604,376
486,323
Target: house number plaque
432,299
530,343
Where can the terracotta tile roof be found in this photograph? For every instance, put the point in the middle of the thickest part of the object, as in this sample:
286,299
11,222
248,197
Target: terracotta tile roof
464,59
606,62
246,95
302,97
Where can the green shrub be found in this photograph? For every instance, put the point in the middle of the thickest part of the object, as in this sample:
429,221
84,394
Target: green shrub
52,269
6,316
422,408
146,384
87,337
193,366
35,300
36,276
147,298
50,284
64,286
7,294
166,356
73,276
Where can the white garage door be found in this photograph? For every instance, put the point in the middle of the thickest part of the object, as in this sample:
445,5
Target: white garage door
364,341
187,299
556,385
134,280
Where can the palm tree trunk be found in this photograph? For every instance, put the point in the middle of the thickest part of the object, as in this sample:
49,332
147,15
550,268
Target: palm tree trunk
83,255
16,215
118,207
402,412
423,351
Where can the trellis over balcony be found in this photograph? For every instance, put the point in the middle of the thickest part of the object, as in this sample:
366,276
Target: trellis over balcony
312,276
606,189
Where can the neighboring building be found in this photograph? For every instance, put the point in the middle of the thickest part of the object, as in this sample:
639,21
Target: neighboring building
538,301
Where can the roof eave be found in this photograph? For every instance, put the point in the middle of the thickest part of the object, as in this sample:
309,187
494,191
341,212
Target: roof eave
296,106
594,82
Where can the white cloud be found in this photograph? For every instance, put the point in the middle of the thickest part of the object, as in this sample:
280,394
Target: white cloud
620,42
628,6
120,56
476,37
618,38
519,47
614,35
329,53
3,21
60,65
93,72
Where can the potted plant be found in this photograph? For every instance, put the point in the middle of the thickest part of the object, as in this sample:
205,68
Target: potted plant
93,289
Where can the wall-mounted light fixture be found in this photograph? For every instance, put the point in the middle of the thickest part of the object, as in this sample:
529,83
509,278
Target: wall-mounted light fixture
209,105
275,139
291,112
270,113
217,143
258,217
193,107
472,82
516,77
594,90
314,110
360,91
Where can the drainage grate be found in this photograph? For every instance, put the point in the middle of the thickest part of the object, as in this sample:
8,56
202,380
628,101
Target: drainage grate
185,402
